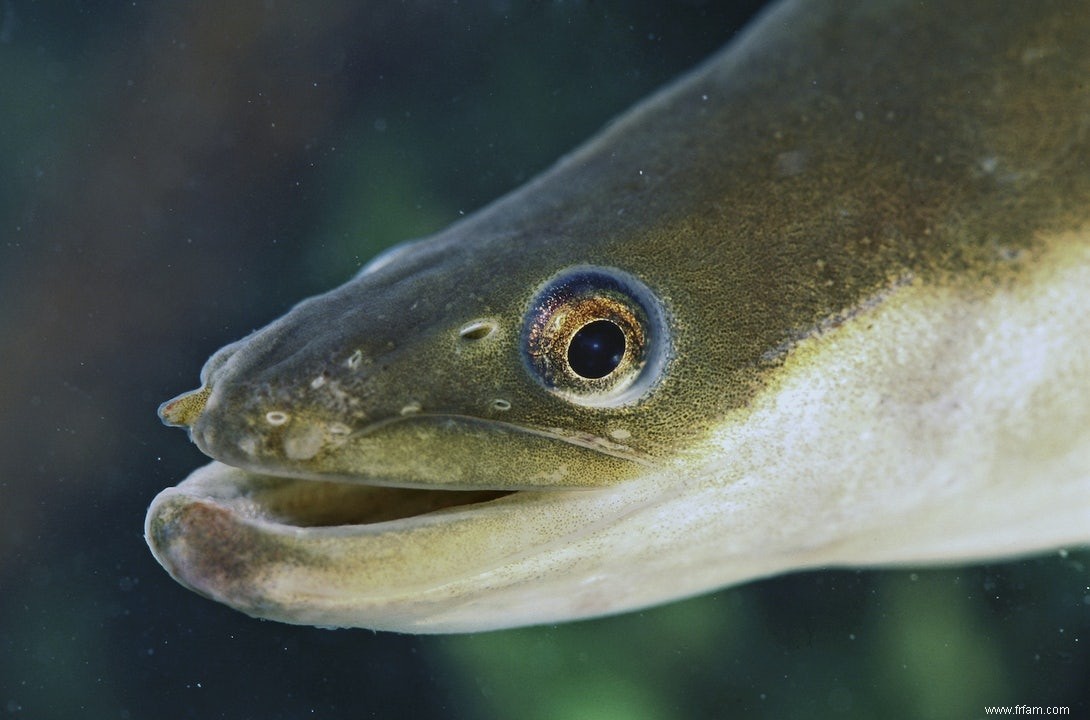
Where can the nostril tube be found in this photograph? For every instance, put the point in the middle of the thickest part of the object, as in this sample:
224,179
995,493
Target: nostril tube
184,410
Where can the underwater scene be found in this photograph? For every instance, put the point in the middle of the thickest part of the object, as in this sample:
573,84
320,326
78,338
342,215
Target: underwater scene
178,175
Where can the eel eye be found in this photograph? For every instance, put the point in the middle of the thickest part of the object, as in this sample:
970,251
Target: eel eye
596,336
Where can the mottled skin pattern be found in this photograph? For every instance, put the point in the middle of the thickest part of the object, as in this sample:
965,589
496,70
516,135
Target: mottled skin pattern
863,193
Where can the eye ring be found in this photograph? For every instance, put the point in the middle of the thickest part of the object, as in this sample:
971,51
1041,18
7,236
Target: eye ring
596,336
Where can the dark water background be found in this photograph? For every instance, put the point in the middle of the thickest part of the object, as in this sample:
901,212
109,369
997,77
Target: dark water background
174,175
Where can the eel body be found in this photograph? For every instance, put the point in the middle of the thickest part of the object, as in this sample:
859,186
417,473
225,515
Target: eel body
824,301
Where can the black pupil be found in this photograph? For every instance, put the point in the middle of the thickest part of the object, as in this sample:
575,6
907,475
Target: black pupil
596,349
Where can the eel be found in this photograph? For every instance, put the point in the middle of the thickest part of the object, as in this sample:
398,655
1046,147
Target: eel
822,302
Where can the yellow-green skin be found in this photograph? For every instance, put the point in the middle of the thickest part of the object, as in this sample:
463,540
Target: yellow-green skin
869,226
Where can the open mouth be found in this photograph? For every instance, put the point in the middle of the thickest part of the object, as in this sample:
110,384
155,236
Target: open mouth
323,503
343,554
297,521
269,493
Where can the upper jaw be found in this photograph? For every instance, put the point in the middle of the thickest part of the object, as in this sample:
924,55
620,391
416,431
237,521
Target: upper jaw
426,450
265,487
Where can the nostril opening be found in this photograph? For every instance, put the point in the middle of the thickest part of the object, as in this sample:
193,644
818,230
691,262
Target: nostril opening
276,417
477,330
